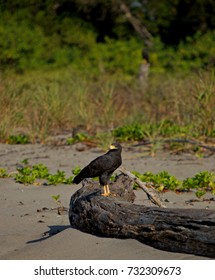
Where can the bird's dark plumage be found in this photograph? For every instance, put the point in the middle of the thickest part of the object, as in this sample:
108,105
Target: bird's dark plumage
102,167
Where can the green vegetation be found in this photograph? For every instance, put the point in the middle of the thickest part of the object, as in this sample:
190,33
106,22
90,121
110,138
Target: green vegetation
57,199
66,68
59,178
150,131
130,132
30,175
42,34
201,183
79,137
160,181
18,139
3,173
41,104
76,170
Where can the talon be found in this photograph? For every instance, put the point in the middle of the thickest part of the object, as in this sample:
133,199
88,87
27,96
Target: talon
106,191
105,194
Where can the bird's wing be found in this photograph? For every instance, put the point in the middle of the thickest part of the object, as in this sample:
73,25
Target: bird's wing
96,167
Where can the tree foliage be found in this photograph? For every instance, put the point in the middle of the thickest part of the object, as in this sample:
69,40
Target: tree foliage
98,35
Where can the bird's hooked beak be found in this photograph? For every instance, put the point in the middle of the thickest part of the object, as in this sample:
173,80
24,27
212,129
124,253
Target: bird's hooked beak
112,147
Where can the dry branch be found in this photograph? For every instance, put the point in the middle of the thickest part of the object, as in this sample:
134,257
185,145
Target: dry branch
151,193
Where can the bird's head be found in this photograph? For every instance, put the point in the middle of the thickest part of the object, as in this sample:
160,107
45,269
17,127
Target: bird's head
115,146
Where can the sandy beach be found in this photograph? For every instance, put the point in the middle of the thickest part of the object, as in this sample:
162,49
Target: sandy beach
31,227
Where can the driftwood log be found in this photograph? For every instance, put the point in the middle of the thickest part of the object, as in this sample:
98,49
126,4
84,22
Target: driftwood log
178,230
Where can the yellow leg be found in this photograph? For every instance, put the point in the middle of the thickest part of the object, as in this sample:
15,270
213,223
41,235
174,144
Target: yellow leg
106,191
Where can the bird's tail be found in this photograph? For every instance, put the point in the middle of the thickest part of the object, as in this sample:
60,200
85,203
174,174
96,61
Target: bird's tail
77,179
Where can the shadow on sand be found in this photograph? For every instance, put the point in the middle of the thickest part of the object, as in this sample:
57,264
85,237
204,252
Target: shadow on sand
55,229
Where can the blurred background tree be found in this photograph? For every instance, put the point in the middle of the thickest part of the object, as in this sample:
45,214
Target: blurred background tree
54,33
64,62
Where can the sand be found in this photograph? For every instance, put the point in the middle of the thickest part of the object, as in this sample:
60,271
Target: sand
31,227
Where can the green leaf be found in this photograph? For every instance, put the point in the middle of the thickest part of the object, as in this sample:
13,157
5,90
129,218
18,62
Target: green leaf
76,170
200,193
3,173
25,161
56,197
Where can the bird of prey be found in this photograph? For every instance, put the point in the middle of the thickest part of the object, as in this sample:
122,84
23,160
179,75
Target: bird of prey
102,167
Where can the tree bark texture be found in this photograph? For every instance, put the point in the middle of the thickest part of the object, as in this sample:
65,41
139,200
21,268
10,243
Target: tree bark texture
177,230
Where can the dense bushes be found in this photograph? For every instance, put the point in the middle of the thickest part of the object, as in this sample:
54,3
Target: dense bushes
21,45
73,68
72,41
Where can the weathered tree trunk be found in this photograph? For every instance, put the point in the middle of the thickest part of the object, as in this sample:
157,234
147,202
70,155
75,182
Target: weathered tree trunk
178,230
137,24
